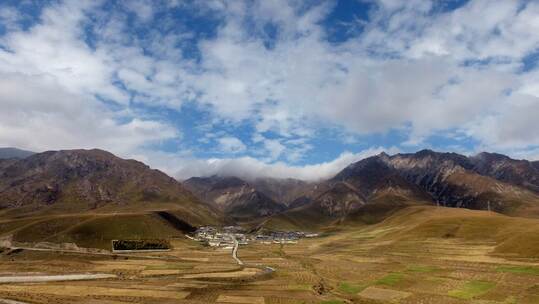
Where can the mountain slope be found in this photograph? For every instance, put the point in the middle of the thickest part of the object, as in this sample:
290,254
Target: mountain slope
373,188
364,192
287,191
517,172
78,181
233,196
453,180
6,153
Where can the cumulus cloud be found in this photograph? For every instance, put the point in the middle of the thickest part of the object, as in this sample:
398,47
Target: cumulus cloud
422,78
81,73
511,129
49,88
230,144
38,108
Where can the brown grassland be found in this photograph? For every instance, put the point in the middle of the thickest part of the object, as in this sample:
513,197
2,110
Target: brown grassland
421,254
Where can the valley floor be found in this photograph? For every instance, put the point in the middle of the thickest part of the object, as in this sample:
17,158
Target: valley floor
420,255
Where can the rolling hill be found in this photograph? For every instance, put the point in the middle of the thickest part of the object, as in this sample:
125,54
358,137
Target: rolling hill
95,192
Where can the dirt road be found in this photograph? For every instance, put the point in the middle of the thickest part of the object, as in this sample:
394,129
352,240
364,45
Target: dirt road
54,278
8,301
235,252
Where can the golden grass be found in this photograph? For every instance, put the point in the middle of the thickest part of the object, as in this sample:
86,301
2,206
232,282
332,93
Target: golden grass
240,299
159,272
247,272
84,291
412,246
382,294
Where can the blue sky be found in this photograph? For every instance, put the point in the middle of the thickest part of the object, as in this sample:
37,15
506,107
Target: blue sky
269,88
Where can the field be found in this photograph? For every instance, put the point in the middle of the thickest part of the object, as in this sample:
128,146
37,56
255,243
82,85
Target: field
417,255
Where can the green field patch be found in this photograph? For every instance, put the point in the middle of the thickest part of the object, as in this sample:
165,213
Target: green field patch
471,290
351,288
390,279
519,269
422,268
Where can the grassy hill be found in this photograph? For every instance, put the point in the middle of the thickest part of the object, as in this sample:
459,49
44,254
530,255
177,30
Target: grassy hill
90,197
511,237
95,230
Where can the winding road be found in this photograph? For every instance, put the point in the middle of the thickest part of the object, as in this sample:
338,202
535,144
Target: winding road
235,252
266,269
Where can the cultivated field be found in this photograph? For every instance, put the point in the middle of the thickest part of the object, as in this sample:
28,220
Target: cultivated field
419,255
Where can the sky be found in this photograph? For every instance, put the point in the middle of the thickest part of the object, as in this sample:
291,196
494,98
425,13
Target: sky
272,88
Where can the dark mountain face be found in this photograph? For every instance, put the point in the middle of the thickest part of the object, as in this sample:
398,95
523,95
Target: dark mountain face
81,180
517,172
430,171
455,180
6,153
360,184
339,200
371,174
286,191
378,185
372,188
234,197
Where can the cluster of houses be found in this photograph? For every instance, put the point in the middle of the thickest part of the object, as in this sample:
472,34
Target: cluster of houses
224,237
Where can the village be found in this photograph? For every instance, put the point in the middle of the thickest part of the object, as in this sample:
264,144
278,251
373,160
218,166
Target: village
226,237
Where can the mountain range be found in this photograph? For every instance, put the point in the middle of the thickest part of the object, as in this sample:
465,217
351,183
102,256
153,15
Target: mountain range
367,191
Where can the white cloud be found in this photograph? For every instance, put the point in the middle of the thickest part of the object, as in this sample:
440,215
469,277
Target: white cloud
274,147
38,108
50,80
143,9
9,17
230,144
411,70
250,168
303,82
511,129
54,48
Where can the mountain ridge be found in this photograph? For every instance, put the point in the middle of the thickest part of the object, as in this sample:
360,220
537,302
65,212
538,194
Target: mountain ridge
10,152
75,181
93,179
233,196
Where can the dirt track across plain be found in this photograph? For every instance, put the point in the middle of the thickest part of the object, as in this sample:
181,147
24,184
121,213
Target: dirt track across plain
55,278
